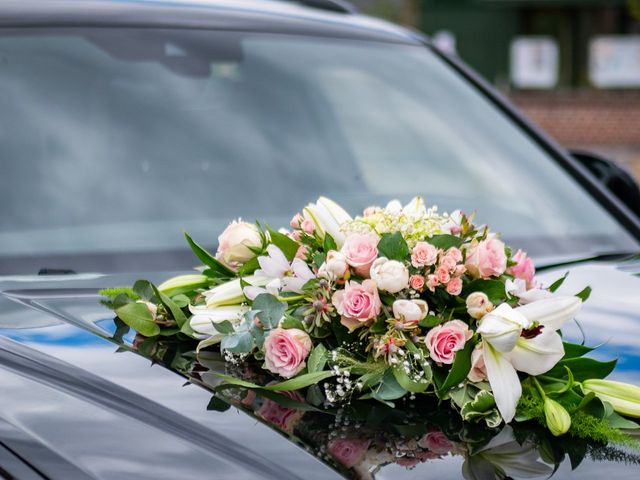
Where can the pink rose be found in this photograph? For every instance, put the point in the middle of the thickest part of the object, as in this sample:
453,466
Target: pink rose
296,235
348,451
432,282
455,253
448,263
423,254
445,340
437,442
283,418
416,282
454,287
357,303
486,258
524,268
478,370
296,221
442,274
302,252
285,351
360,251
308,225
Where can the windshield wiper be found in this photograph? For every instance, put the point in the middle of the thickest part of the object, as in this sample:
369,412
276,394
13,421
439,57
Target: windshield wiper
597,257
56,271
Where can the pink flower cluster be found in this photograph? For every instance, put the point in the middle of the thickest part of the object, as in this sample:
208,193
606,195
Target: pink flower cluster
447,268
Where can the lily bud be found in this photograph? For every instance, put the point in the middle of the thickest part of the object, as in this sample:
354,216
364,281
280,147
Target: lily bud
187,282
624,397
230,293
557,417
328,217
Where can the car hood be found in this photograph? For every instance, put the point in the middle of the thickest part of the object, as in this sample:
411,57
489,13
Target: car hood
80,402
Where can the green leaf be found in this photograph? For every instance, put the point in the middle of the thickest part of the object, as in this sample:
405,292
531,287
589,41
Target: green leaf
445,241
393,246
138,317
408,383
288,246
582,368
431,321
329,243
318,259
387,389
584,294
558,283
238,342
494,289
225,327
269,309
218,405
216,267
249,267
300,381
291,322
181,300
618,421
483,405
176,311
572,350
144,290
317,358
460,368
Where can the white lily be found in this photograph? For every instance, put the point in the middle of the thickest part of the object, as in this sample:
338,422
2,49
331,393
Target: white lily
506,351
328,217
504,456
415,207
230,293
203,320
183,281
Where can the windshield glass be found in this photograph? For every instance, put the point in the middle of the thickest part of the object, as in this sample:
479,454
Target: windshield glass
114,141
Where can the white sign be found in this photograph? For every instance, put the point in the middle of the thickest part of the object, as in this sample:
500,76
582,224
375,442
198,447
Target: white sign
534,62
614,61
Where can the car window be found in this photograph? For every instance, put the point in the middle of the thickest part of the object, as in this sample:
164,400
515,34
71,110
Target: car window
114,141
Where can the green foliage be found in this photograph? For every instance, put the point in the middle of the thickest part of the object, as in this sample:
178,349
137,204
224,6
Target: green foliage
268,309
317,359
494,289
460,368
138,317
445,241
582,368
288,246
558,283
216,268
115,291
393,246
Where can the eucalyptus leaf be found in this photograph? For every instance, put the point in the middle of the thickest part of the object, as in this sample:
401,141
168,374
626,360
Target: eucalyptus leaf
138,317
270,309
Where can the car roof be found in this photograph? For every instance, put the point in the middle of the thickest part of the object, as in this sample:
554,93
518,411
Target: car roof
249,15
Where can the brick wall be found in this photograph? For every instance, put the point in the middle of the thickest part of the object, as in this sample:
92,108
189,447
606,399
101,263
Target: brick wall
607,122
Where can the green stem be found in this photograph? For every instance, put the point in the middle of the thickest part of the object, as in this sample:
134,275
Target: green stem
539,387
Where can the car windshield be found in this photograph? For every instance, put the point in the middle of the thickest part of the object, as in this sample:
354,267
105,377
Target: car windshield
114,141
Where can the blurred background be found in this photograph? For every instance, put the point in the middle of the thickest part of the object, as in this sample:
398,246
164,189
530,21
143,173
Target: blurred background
573,66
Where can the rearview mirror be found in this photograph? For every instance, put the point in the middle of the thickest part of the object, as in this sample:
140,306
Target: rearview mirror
614,177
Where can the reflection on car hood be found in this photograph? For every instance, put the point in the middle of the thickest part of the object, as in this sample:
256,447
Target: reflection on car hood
79,404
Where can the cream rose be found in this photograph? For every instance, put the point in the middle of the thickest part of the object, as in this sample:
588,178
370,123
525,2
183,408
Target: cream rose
390,275
234,243
410,311
478,305
334,267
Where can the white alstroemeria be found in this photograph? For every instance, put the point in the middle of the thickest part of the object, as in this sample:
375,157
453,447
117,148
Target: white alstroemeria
204,318
506,351
504,456
328,217
280,274
230,293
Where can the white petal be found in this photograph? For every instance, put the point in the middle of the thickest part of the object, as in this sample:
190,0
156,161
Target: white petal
538,355
272,268
502,327
293,284
301,269
504,382
203,319
252,292
551,312
415,207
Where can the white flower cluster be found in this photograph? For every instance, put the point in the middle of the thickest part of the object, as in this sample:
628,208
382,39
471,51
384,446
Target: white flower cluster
414,221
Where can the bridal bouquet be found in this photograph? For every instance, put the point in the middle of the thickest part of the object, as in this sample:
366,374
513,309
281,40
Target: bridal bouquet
398,304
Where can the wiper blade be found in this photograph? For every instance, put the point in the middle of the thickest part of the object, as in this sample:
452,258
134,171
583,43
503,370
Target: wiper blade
56,271
596,257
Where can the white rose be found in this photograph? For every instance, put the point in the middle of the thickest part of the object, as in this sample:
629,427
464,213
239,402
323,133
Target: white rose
478,305
390,275
234,243
410,311
334,267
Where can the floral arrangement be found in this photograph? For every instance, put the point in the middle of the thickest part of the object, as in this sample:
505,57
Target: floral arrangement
402,303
